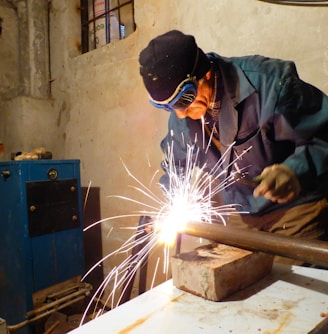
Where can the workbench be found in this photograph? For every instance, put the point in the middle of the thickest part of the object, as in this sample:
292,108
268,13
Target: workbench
290,300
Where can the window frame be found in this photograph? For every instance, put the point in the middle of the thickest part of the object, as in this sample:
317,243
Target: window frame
85,22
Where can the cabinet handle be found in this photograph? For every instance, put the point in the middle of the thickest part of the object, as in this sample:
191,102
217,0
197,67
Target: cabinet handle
5,174
32,208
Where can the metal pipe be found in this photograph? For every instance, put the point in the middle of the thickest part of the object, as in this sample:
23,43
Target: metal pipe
24,323
310,251
54,304
51,307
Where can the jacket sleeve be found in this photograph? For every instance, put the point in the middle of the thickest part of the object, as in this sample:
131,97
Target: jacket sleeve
301,115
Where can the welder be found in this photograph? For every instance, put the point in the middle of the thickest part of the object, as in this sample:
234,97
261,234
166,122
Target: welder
252,104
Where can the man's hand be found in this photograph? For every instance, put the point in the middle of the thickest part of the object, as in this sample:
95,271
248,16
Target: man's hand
279,184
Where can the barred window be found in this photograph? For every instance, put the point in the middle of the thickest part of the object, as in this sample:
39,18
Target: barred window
104,21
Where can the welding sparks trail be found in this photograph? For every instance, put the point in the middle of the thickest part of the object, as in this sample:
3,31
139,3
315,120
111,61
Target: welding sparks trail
188,197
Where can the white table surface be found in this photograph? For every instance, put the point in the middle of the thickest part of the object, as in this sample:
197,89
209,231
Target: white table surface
290,300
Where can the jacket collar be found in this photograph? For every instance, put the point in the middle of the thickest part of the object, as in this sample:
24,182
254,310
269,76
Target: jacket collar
236,85
236,89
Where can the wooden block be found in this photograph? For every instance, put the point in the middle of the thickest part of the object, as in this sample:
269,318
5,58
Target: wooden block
216,271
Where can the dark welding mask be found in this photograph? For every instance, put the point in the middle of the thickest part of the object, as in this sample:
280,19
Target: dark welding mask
184,95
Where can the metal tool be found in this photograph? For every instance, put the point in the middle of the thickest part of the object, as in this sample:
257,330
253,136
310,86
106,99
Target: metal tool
245,179
310,251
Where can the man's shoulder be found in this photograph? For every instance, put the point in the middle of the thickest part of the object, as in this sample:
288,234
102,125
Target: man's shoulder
256,63
262,63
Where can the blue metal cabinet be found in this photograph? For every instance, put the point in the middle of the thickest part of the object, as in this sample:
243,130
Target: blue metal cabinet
41,233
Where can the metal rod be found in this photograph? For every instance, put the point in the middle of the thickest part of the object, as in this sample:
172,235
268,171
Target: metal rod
24,323
310,251
51,307
83,291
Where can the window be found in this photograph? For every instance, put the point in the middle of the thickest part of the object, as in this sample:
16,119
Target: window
104,21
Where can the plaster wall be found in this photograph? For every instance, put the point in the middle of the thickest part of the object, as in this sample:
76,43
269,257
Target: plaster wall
9,75
29,122
26,110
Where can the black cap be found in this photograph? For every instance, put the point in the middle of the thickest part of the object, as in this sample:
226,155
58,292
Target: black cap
168,60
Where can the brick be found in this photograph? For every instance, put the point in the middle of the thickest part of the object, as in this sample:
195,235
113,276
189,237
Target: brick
216,271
